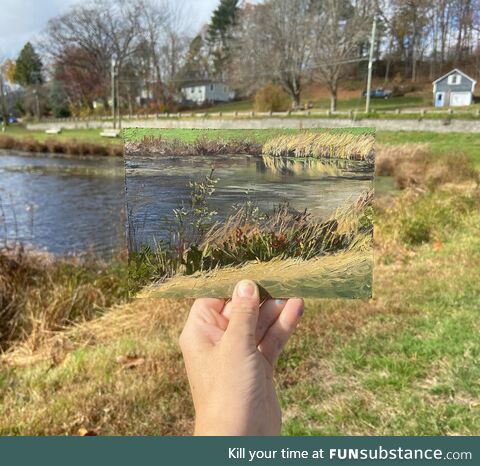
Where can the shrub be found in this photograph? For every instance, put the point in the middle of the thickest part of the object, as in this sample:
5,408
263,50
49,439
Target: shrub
271,98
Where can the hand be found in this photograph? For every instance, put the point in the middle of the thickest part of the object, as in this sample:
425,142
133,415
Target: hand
230,351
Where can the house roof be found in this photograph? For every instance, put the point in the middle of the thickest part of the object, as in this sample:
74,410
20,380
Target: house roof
455,70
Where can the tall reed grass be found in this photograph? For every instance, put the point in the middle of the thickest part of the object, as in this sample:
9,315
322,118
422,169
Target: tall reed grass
322,145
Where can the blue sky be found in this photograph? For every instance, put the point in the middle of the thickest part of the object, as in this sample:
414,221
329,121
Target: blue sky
23,20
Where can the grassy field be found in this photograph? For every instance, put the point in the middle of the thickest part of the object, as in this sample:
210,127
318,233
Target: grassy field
352,103
406,362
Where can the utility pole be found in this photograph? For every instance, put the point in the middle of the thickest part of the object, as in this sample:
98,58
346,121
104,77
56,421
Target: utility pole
118,101
37,104
4,112
370,64
114,64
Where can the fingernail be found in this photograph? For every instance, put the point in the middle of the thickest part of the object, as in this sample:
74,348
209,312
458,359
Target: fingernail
279,302
246,289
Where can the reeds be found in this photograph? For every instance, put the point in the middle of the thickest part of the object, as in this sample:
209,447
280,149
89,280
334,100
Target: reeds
249,235
201,146
323,145
53,146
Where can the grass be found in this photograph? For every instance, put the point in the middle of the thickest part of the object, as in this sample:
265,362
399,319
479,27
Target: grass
404,363
40,294
322,145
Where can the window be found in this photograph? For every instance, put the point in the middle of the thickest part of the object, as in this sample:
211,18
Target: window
454,79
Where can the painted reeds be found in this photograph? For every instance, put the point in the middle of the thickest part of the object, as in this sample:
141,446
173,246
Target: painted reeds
201,146
325,144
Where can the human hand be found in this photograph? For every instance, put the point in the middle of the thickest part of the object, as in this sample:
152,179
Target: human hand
230,351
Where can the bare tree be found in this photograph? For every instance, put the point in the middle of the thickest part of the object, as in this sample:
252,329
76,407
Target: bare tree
341,28
144,36
272,41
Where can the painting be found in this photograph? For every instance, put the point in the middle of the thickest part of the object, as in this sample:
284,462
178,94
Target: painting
289,209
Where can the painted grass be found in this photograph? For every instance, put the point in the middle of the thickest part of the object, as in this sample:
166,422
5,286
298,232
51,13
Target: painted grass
345,274
323,145
259,136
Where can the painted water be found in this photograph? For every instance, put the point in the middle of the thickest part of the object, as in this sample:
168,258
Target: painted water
158,184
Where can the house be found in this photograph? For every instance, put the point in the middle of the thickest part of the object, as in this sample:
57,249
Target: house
207,91
453,89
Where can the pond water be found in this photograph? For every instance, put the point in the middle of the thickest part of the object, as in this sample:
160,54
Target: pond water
62,205
157,185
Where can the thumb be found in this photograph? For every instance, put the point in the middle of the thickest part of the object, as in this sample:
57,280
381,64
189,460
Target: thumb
245,307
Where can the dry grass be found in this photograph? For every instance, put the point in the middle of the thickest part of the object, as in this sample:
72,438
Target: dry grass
40,295
323,145
322,277
415,166
52,146
157,146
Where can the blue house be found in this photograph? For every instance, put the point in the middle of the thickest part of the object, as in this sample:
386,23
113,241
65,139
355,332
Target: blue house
454,89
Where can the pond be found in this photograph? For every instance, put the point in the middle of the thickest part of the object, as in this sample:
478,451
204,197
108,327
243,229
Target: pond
62,205
158,184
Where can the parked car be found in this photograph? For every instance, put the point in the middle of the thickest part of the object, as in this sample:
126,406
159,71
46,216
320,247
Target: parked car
10,119
378,93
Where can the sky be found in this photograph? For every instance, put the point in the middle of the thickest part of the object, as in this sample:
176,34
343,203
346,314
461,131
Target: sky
24,20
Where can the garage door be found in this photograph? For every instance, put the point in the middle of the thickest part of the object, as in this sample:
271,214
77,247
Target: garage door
458,99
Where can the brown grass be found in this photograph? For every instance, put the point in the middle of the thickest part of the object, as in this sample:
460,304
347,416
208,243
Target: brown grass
201,146
415,166
40,294
323,145
52,146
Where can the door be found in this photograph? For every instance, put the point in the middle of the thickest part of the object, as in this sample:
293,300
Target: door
440,99
458,99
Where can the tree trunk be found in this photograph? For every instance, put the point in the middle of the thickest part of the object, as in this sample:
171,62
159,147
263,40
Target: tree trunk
296,98
333,98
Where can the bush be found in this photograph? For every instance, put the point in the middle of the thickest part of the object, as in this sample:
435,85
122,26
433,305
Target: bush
271,98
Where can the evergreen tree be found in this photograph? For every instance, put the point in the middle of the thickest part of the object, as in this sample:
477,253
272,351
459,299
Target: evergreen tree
223,18
218,35
28,69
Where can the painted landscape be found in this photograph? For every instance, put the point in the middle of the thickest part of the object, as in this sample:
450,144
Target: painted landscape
290,210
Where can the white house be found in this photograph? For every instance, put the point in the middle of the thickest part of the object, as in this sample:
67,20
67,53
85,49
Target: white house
201,92
453,89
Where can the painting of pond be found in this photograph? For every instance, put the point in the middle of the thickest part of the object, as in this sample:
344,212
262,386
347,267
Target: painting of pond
298,224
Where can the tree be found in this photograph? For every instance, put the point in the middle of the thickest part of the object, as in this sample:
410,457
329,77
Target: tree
272,41
28,67
219,32
342,26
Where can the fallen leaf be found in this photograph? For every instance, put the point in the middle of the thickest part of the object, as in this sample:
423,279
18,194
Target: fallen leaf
437,245
84,432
